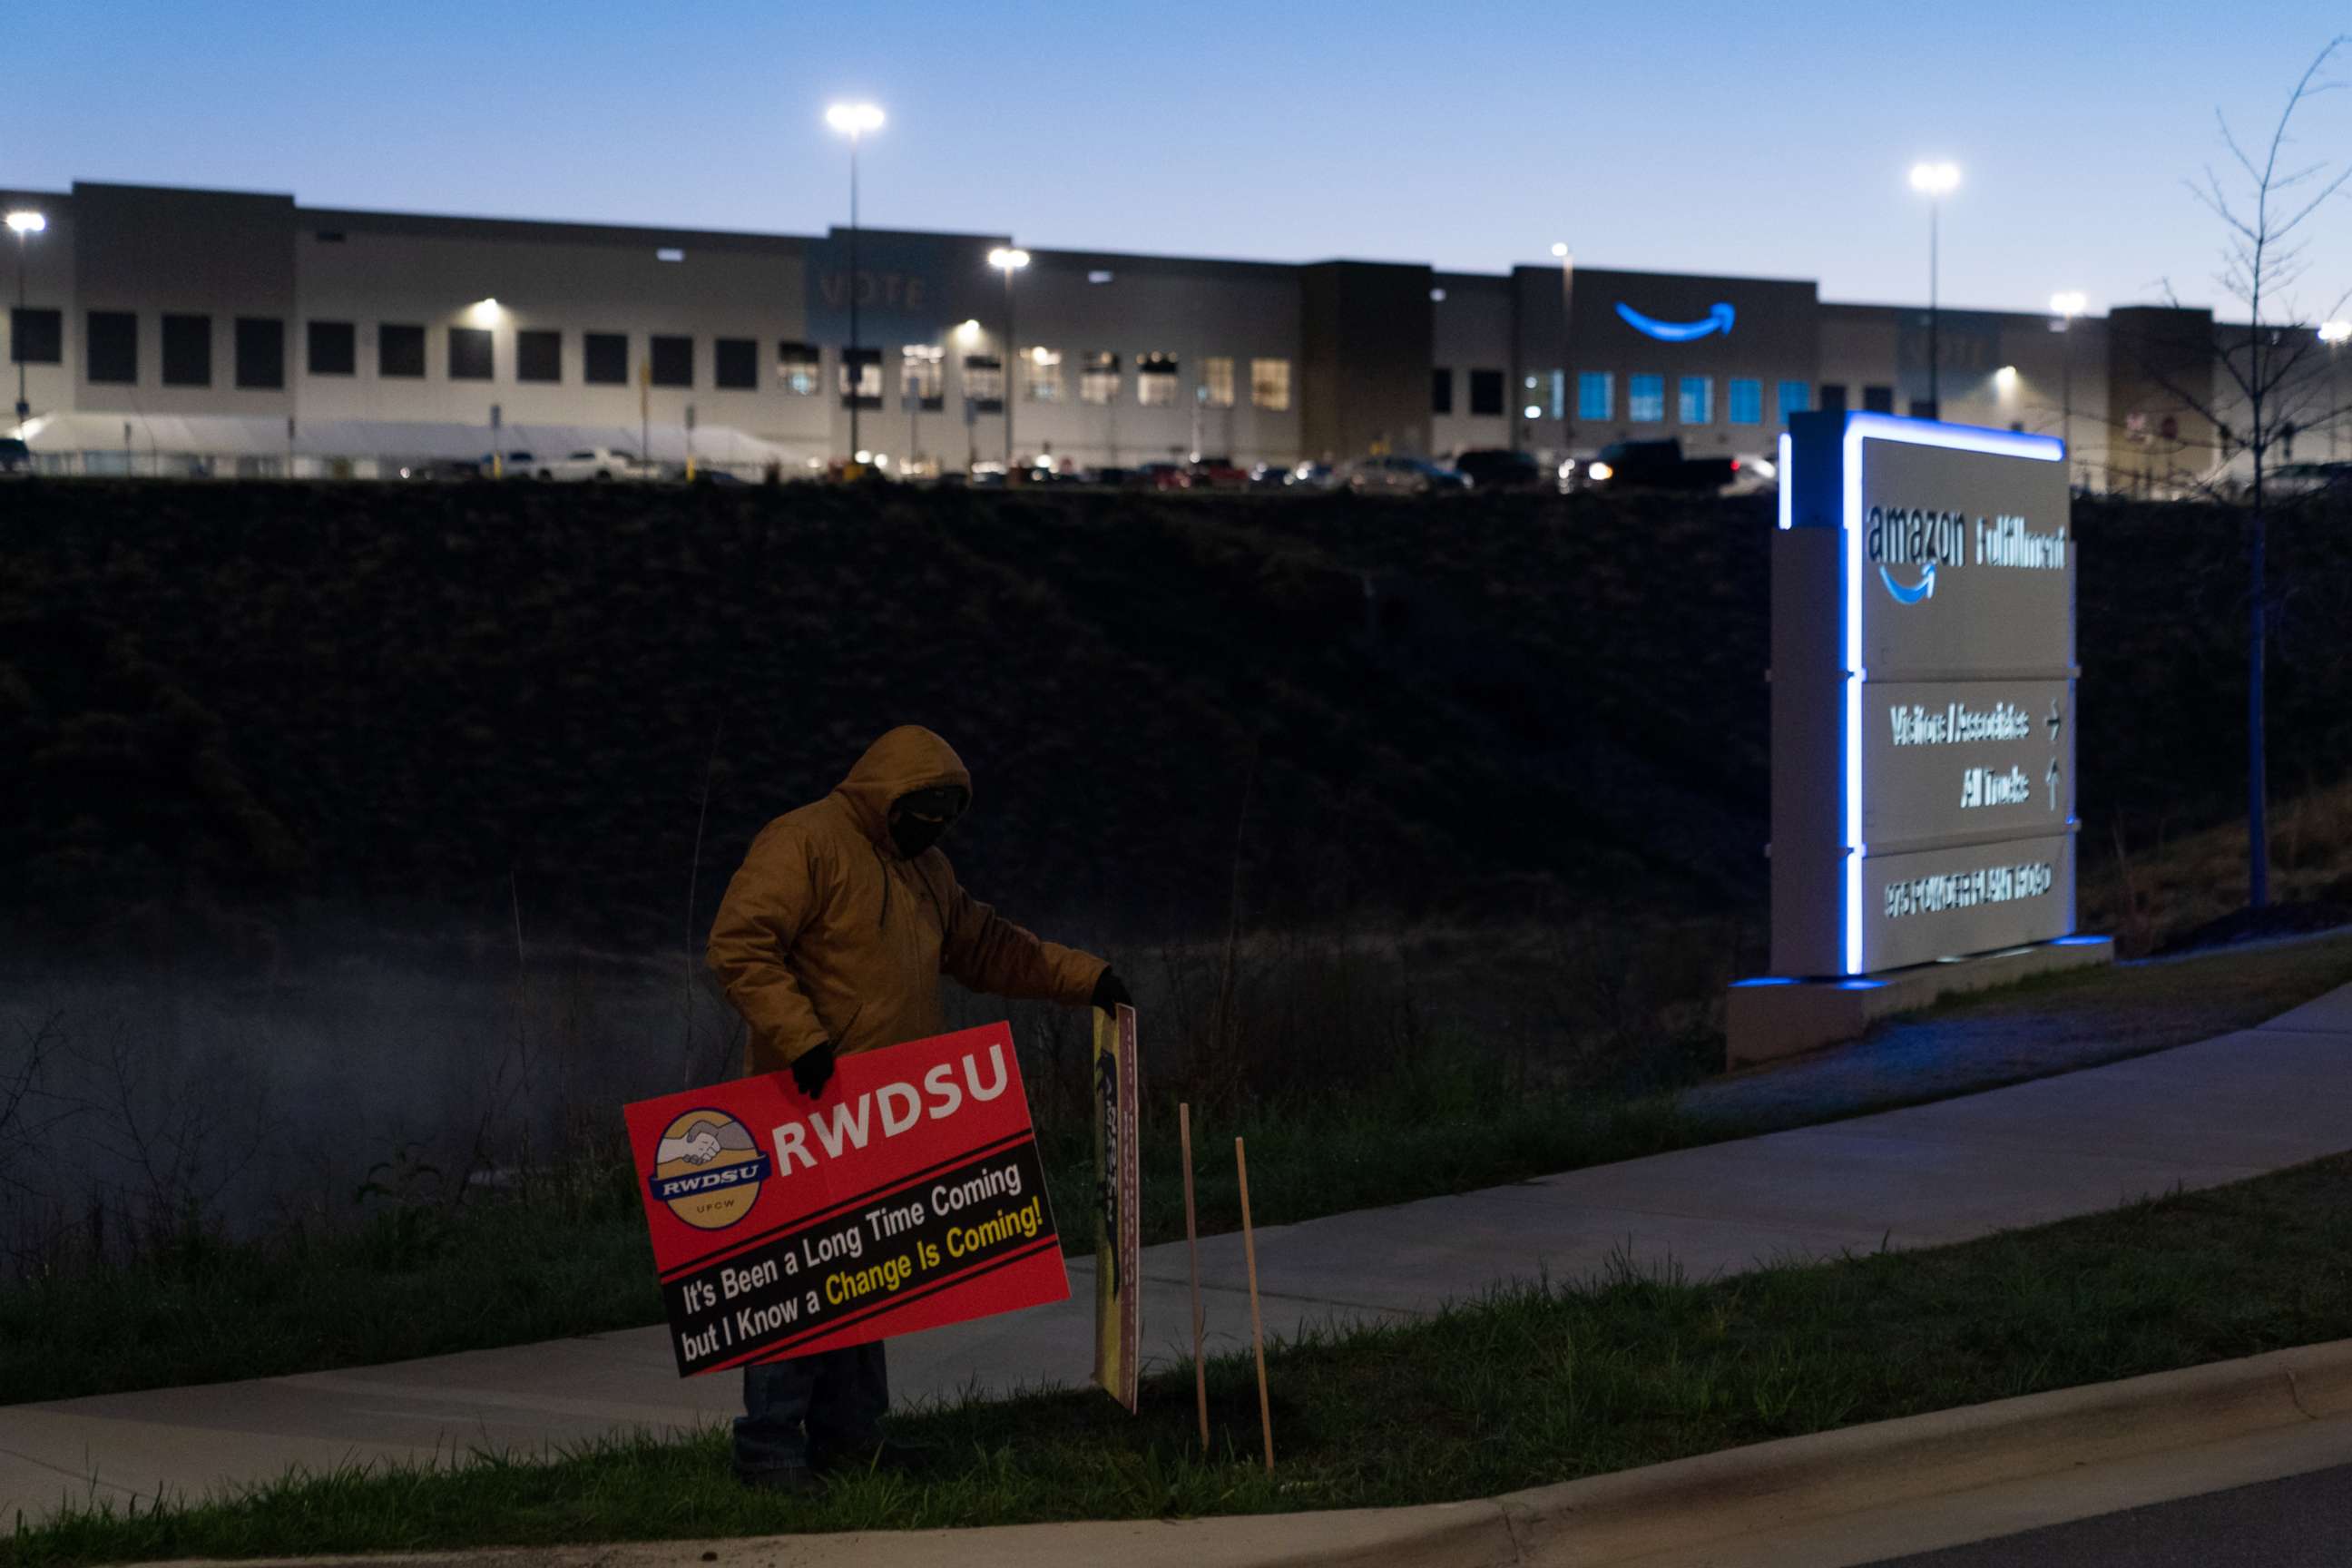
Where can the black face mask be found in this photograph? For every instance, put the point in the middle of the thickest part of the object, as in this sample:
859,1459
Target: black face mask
919,820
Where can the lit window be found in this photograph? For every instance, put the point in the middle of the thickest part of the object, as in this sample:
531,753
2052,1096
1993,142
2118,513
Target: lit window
1796,397
1099,275
923,376
1695,400
669,253
1155,380
1437,296
798,369
1270,382
1099,378
1041,375
1217,383
1645,399
983,380
861,377
1744,402
1596,394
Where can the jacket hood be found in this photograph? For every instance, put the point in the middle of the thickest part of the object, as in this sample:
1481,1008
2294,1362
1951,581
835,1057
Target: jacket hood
907,758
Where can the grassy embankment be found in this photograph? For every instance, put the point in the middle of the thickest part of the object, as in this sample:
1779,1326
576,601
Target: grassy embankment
564,1250
1519,1390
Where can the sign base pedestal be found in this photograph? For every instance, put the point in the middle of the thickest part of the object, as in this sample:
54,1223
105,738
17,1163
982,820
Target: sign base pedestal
1771,1019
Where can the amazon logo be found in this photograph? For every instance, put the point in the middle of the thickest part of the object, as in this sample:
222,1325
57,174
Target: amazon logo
1898,538
1717,320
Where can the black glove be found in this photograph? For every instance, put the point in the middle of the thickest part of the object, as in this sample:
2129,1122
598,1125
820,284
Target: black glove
812,1069
1110,994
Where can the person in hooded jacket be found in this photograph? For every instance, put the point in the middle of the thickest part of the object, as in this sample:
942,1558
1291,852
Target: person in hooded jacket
831,940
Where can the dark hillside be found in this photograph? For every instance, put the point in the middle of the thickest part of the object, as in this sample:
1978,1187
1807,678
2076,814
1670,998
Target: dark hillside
428,701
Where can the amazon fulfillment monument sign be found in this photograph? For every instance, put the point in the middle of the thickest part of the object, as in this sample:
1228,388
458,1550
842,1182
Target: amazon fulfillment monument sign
1923,724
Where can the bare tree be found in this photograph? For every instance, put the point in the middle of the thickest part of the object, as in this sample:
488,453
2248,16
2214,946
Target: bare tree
2274,377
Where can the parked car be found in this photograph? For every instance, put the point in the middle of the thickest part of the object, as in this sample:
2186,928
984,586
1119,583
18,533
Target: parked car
1754,474
1311,475
595,463
15,458
515,465
1215,474
1402,476
1648,465
1270,475
1494,468
2308,479
1162,477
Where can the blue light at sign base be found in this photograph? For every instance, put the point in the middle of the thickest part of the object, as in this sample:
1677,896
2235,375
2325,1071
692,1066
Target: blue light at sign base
1861,427
1763,980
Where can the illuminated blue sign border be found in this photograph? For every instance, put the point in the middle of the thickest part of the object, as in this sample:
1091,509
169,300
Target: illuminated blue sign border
1717,320
1861,427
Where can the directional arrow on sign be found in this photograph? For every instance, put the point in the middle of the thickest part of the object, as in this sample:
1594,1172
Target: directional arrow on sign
2054,720
2050,778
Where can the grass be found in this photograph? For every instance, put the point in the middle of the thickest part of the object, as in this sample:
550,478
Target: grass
567,1254
1522,1389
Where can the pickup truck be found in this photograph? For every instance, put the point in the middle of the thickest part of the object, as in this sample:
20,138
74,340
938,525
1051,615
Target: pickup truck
1648,465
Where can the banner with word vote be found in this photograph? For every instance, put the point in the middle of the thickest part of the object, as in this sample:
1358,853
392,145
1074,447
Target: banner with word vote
906,1196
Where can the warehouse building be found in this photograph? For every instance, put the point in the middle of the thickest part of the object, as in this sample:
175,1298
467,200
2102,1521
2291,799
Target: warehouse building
223,331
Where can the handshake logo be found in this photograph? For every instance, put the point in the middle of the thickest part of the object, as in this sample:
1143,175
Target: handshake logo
709,1170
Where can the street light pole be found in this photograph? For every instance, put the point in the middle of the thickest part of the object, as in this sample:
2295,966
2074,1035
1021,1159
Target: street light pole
1936,180
2069,306
1568,392
1008,260
854,120
25,224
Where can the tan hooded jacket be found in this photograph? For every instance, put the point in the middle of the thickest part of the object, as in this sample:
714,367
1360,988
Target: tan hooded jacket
828,933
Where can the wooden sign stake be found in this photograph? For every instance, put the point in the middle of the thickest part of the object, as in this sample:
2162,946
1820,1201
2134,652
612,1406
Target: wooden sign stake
1257,1326
1192,1244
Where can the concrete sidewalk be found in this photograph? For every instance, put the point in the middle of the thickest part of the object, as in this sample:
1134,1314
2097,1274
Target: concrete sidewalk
2196,1116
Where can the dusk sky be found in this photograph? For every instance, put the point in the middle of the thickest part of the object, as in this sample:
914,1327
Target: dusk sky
1686,137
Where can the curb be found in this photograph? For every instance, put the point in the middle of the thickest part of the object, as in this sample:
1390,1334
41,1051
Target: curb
1587,1523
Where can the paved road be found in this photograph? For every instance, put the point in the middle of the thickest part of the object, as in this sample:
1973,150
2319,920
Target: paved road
2217,1111
2304,1522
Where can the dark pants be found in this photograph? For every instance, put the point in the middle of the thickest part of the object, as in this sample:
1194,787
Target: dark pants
839,1396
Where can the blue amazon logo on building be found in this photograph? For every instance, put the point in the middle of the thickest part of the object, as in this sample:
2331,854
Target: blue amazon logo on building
1719,319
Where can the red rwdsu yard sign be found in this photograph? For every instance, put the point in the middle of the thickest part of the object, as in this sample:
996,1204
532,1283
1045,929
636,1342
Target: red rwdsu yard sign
908,1196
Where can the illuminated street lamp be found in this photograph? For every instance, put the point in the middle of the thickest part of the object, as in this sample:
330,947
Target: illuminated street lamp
853,120
2068,305
22,224
1008,260
1934,181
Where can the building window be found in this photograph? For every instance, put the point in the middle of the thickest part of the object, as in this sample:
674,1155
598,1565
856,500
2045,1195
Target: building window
1645,399
861,377
400,350
983,382
261,344
1743,402
36,336
1217,381
1270,382
1099,378
735,364
1832,397
1155,380
923,376
604,358
188,350
1878,399
673,362
798,369
1795,398
1694,400
1441,390
1596,394
1486,391
1041,375
111,356
469,353
334,348
539,354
